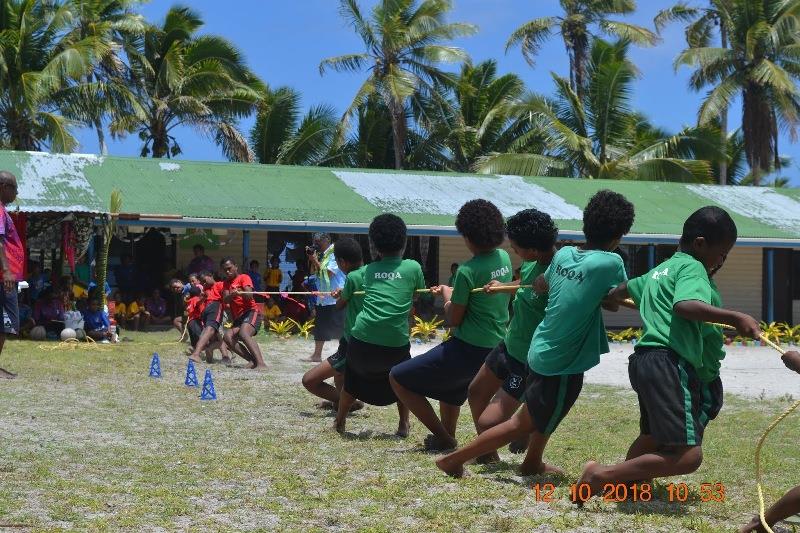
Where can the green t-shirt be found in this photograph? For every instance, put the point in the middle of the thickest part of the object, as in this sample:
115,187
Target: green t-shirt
571,337
528,312
713,342
678,279
486,316
389,286
353,283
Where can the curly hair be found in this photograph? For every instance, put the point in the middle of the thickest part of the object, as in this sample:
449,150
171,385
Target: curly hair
388,233
710,222
482,223
532,229
608,216
348,249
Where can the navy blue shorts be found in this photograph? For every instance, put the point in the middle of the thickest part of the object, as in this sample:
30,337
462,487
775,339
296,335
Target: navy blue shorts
444,372
339,360
212,315
511,372
10,307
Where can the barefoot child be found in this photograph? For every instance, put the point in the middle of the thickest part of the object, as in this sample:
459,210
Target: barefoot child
568,341
350,261
445,372
379,339
244,311
212,314
501,379
675,366
789,504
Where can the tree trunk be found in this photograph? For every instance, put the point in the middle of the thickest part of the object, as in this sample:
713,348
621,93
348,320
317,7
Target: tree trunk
397,114
581,53
723,121
101,137
760,131
160,140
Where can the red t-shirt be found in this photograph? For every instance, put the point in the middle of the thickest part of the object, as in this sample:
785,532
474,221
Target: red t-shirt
15,253
214,294
240,305
194,308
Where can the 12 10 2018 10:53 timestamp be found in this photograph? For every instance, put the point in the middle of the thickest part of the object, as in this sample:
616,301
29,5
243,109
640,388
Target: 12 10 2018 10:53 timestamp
634,492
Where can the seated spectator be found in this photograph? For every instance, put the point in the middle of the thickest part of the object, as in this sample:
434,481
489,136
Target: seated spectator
26,322
127,313
49,312
255,275
156,306
271,310
96,323
273,276
38,281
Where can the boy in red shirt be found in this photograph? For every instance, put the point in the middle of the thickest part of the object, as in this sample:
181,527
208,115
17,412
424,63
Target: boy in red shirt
244,310
194,315
211,315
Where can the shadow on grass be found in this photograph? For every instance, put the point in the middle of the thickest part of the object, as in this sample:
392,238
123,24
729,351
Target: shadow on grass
369,434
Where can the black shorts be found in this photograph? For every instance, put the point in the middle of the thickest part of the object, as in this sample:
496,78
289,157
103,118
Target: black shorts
10,307
443,372
367,367
549,399
674,405
329,323
511,372
251,317
212,315
339,359
195,328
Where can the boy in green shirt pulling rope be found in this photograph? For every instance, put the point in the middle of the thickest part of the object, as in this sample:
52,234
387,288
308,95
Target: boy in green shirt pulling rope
675,367
499,387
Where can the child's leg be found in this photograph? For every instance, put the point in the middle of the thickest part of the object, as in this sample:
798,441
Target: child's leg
403,425
345,402
532,464
209,333
481,391
314,382
488,441
449,416
177,323
135,322
672,461
422,409
246,334
788,505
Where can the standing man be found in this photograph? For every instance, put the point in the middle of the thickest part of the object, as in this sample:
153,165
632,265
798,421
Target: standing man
329,324
12,260
200,262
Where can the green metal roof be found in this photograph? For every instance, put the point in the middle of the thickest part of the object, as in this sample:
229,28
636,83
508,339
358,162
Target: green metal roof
246,195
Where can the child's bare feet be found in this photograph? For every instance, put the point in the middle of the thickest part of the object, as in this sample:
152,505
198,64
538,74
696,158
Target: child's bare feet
539,469
488,459
260,368
432,443
519,445
753,525
339,425
451,469
589,477
195,358
209,356
226,361
5,374
402,428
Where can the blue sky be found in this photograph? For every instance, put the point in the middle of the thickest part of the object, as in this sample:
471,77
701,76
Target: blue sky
285,41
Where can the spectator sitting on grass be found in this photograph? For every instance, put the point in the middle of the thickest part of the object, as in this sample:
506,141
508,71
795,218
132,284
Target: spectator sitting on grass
145,318
128,312
157,307
49,312
96,322
271,310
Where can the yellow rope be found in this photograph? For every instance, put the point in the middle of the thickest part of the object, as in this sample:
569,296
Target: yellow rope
73,344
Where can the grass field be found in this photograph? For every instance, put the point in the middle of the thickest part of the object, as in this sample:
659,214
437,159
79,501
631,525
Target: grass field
89,442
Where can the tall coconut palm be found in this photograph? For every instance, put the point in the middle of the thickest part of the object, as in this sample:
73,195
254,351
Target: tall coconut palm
41,65
404,46
471,114
702,24
181,78
580,23
761,64
281,136
600,136
105,92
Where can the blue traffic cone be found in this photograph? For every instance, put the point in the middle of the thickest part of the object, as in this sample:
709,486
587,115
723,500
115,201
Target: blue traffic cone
208,387
191,375
155,367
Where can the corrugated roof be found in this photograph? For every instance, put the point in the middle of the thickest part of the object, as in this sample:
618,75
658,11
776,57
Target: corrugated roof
273,194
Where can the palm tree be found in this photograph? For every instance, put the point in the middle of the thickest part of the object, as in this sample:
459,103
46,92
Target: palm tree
576,29
181,78
280,136
403,48
104,91
471,115
701,25
41,63
762,64
599,136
